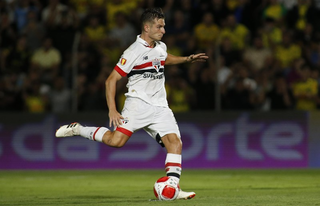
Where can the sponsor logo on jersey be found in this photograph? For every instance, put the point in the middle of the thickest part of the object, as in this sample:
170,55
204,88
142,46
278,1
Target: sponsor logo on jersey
123,61
156,63
152,76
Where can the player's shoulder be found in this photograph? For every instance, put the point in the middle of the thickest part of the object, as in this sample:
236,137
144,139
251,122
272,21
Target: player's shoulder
135,48
132,50
162,45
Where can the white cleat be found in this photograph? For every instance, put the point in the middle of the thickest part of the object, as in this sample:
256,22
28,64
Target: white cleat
72,129
185,195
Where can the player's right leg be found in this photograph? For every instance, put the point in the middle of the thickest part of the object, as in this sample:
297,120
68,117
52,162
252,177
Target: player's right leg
99,134
173,145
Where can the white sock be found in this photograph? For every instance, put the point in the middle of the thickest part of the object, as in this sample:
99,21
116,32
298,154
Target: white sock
173,166
93,133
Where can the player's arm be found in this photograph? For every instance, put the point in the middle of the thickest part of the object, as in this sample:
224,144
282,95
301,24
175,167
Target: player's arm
111,84
171,59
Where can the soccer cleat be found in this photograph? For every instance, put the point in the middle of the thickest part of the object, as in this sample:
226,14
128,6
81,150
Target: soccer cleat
185,195
72,129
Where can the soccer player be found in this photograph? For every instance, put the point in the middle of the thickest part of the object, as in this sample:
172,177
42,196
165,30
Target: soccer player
146,105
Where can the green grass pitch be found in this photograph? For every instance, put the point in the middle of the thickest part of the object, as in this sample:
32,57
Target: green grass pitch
134,187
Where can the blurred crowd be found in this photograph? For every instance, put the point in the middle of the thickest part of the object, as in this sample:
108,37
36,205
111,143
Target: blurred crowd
264,54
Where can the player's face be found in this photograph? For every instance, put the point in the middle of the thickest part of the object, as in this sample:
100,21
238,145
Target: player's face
157,30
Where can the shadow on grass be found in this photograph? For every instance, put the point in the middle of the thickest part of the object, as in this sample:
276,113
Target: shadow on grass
89,200
108,199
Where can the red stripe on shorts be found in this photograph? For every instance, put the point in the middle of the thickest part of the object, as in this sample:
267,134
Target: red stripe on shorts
124,131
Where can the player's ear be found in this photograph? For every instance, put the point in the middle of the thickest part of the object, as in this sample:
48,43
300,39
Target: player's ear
146,27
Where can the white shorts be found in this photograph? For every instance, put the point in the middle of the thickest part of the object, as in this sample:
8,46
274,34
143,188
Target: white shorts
156,121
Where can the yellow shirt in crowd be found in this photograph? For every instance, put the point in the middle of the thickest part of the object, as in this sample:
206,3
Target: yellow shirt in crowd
46,59
206,35
275,11
96,34
237,35
273,37
302,22
309,87
126,7
287,54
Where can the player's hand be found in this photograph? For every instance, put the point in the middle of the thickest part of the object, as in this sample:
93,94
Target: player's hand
115,118
201,57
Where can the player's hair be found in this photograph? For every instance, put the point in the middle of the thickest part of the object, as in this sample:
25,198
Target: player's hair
151,14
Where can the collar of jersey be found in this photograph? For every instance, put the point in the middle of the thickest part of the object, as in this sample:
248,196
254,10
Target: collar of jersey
140,40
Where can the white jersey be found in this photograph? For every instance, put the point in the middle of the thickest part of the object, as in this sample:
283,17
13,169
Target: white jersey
144,67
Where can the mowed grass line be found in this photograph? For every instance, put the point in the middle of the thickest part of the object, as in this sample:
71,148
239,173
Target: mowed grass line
134,187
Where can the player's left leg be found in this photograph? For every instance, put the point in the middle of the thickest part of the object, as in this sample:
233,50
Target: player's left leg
99,134
173,145
118,138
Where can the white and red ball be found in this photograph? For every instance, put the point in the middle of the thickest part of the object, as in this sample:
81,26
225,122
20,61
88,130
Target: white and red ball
166,188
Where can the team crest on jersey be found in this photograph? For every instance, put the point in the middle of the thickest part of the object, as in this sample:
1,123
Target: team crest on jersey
123,61
125,121
156,63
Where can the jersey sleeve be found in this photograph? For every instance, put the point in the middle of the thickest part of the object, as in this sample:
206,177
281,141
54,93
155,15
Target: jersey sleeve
126,63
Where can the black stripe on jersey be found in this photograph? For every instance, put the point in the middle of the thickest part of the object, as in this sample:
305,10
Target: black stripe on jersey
133,72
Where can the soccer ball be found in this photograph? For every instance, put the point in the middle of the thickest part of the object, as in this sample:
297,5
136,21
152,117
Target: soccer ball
166,188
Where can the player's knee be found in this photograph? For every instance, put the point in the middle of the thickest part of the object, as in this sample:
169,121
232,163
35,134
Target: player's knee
178,143
172,143
116,140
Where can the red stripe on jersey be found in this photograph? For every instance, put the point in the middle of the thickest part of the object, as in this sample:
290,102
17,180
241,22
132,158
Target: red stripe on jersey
146,65
124,131
170,164
120,71
94,134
